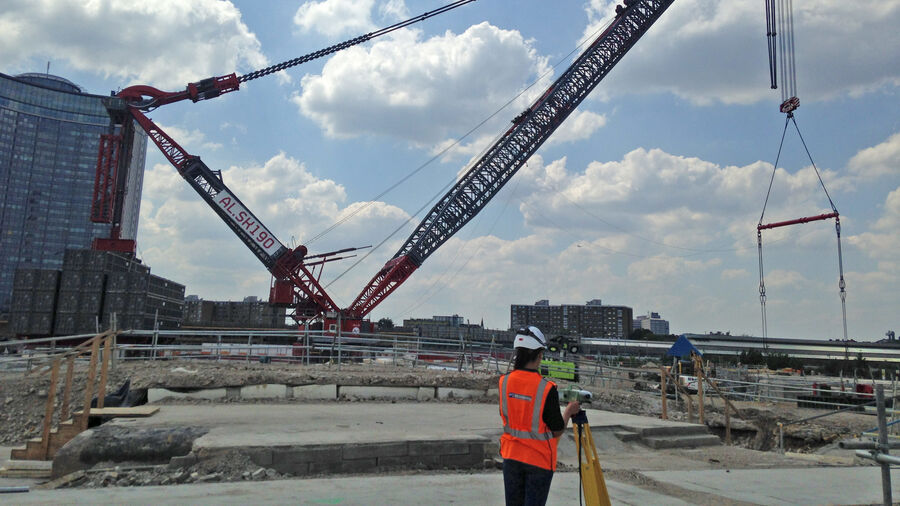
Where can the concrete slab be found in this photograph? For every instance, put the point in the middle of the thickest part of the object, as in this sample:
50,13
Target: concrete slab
366,392
459,393
295,424
268,391
819,485
478,488
425,393
158,394
315,392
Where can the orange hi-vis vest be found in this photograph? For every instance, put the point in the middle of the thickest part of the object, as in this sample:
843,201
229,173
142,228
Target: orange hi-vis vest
526,438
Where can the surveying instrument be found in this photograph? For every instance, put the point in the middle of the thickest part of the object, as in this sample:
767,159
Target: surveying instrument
590,475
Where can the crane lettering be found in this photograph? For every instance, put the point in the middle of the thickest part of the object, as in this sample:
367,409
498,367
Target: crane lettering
247,222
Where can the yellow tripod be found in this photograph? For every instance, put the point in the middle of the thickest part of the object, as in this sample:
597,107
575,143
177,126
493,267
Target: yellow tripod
590,473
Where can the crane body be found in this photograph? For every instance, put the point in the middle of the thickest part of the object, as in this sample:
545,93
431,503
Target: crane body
296,276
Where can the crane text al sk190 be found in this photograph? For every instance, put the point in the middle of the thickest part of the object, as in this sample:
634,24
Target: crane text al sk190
246,220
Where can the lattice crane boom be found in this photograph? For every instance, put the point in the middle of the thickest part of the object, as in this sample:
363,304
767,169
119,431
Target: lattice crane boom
530,130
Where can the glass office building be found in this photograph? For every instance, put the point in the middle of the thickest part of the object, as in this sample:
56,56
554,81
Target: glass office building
49,137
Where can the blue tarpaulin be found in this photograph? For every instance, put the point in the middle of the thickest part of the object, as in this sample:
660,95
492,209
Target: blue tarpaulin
683,348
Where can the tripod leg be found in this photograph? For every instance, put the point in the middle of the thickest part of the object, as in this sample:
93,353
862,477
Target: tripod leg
592,481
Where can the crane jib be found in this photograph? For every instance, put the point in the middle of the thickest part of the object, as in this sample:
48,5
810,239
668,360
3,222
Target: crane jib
246,221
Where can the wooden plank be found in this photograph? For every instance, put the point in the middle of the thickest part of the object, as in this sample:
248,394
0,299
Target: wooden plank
698,368
664,388
130,412
62,481
67,391
26,469
104,370
89,386
48,410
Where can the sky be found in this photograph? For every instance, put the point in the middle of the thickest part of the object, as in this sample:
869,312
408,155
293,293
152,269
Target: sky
648,196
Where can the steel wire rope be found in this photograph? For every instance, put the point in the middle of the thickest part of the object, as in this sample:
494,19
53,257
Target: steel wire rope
790,119
435,157
774,170
348,43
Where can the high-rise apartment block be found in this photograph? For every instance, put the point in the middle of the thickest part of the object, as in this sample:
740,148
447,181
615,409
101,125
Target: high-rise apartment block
49,139
592,319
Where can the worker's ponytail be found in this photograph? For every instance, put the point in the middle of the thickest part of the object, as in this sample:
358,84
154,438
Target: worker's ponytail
524,356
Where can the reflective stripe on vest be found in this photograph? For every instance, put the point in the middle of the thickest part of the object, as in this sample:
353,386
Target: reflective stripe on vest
536,413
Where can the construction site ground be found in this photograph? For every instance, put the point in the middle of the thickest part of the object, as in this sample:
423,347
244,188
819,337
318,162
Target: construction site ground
635,473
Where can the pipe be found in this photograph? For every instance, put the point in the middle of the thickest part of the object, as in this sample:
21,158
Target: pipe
13,490
878,457
860,444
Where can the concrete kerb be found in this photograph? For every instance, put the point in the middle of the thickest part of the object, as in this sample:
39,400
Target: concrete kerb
157,394
460,393
314,392
266,391
323,392
378,392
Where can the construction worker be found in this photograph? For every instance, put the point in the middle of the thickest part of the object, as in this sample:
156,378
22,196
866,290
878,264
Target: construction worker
528,444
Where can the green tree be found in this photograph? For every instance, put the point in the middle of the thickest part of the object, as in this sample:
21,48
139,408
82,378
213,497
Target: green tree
860,365
385,324
643,334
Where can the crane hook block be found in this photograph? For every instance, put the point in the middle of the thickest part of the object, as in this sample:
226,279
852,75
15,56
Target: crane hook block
789,105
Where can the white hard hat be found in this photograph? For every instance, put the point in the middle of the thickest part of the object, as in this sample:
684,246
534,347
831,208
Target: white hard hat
530,337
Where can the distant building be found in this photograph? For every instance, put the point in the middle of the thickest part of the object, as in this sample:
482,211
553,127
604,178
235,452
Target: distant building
453,327
652,322
49,137
95,290
592,319
249,313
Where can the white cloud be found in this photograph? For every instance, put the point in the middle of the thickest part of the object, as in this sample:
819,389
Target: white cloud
192,140
334,18
166,43
734,273
579,126
780,278
707,51
660,267
882,241
685,203
878,161
421,90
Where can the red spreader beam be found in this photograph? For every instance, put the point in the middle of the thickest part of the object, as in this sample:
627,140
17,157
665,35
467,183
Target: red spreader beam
797,221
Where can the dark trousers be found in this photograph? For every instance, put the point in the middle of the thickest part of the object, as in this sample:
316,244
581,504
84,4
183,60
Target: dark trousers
525,485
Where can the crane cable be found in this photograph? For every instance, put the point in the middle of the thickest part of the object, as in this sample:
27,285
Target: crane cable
349,43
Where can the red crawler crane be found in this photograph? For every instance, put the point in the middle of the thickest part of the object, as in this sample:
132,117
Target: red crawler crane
295,278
